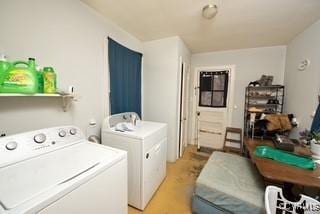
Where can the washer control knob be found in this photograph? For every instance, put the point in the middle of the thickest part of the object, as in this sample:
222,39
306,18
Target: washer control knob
62,133
73,131
40,138
12,145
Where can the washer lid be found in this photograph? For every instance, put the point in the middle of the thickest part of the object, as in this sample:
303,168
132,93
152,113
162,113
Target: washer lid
23,181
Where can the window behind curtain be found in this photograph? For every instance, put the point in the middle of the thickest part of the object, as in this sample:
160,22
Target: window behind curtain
125,78
213,89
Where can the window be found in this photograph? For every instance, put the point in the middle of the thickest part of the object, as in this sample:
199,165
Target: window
125,78
213,89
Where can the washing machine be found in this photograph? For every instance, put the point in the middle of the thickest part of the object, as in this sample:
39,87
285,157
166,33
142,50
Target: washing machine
57,170
146,144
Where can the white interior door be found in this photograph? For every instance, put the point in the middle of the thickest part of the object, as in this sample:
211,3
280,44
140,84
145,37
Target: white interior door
183,126
213,107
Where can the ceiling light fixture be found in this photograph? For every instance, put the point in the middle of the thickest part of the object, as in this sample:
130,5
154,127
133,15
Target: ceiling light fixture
209,11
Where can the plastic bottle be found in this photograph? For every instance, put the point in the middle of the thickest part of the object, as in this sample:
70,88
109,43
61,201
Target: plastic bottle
40,79
20,77
49,80
33,67
4,66
32,63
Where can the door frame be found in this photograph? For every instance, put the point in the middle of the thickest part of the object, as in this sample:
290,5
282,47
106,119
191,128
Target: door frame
181,106
230,98
186,76
187,103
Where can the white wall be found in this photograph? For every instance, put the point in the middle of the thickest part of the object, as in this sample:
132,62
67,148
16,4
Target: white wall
250,64
69,36
184,52
302,87
161,85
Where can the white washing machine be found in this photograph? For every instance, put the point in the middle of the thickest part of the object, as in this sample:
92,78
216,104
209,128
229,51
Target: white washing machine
56,170
146,144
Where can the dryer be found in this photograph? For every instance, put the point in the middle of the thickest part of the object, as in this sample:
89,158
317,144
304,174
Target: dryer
146,144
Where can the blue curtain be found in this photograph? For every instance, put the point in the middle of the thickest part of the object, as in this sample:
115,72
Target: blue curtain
125,78
315,127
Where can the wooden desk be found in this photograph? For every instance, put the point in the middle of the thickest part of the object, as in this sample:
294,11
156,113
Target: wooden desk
277,171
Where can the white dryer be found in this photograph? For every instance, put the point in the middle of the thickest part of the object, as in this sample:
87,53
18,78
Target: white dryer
146,144
56,170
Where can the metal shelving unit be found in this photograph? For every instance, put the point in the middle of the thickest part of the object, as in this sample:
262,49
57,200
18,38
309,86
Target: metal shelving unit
256,101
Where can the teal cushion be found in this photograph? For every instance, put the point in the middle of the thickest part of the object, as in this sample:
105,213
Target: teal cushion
232,183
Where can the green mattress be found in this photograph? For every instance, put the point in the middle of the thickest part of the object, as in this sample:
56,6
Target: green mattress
231,183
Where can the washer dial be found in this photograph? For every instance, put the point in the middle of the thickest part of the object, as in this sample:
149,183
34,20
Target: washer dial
73,131
40,138
62,133
12,145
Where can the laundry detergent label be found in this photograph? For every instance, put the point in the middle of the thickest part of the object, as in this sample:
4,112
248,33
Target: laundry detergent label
18,78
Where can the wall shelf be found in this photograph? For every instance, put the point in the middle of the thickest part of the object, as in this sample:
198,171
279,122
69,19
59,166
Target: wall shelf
66,98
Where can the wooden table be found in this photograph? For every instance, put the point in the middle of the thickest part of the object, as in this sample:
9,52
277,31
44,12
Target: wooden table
276,171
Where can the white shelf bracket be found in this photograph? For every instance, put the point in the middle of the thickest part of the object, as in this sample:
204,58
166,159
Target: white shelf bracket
66,102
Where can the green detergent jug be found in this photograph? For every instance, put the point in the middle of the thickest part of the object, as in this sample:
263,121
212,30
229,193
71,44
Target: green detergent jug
4,66
21,77
40,79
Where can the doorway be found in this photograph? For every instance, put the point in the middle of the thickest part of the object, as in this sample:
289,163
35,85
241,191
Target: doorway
183,107
213,105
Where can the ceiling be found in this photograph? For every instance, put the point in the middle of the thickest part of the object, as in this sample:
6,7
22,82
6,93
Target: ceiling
238,24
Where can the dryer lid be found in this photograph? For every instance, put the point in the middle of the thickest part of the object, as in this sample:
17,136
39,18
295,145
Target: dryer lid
25,180
142,130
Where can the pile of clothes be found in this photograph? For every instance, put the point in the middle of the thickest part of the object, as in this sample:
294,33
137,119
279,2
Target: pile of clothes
265,80
272,124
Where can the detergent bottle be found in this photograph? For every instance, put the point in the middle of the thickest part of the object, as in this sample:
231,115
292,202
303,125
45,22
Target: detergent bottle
21,77
4,66
40,79
49,80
